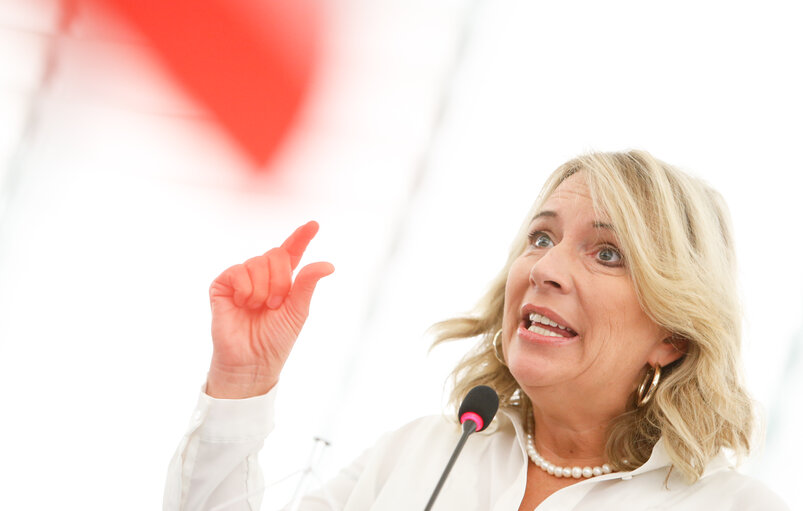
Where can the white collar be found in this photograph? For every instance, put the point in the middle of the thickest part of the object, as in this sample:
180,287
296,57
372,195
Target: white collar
659,458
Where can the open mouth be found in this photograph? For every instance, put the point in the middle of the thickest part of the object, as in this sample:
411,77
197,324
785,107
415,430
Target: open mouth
542,325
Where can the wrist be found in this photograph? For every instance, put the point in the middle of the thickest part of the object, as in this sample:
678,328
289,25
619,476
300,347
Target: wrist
238,383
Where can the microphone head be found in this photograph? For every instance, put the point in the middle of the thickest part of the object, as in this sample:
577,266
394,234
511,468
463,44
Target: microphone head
480,406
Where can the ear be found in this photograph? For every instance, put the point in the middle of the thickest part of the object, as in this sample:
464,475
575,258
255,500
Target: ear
668,350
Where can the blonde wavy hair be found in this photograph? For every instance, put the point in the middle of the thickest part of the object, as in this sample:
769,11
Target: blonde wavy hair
679,251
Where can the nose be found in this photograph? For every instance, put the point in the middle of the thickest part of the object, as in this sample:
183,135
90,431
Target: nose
552,270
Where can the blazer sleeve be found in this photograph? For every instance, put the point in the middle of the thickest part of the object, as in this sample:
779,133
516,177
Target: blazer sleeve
216,463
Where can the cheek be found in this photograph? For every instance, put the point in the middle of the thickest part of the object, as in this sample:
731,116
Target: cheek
614,313
621,333
635,321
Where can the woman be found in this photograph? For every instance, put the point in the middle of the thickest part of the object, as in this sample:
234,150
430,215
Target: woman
611,336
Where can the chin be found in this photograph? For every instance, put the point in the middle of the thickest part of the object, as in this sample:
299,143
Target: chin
535,368
530,372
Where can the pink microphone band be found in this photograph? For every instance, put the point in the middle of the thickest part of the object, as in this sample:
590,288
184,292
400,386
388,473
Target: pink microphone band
471,416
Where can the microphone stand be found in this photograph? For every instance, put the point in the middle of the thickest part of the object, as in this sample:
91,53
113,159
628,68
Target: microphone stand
317,452
469,427
319,445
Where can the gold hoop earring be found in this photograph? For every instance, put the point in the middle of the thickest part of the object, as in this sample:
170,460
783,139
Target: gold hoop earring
498,349
642,397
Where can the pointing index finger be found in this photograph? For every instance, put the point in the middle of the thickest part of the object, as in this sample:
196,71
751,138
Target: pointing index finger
297,243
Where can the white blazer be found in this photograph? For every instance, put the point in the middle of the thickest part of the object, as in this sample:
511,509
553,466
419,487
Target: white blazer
216,464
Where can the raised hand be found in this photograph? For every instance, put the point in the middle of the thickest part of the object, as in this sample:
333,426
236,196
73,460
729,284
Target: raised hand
257,314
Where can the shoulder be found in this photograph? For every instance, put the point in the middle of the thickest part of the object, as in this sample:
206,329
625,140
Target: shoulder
740,491
658,485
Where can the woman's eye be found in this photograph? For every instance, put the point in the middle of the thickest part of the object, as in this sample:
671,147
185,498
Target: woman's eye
610,256
540,239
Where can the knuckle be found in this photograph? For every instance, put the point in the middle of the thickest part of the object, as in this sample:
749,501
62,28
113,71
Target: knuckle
252,264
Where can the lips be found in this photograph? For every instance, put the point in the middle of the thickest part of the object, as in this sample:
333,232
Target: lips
545,322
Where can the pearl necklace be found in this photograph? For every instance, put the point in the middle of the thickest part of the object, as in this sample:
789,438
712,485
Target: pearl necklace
554,470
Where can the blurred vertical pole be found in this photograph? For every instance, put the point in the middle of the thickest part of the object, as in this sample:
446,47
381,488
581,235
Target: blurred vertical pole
783,415
11,178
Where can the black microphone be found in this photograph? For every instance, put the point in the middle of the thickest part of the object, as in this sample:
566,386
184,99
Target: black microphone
476,412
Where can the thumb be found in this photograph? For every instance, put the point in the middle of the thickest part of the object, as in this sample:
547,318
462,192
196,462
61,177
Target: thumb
301,292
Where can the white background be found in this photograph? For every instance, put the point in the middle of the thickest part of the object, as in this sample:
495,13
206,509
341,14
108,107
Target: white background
428,133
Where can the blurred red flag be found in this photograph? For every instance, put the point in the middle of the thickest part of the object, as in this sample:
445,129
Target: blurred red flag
249,61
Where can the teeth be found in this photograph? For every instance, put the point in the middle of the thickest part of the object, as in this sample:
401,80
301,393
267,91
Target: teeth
543,331
537,318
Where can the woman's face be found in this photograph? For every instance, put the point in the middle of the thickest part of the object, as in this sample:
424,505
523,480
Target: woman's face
572,276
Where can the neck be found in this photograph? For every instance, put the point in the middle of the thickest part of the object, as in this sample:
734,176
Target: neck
579,443
574,434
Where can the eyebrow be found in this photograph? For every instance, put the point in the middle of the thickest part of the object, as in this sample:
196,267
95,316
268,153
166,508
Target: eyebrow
545,212
553,214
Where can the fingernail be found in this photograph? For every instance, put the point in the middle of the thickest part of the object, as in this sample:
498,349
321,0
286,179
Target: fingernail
274,302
